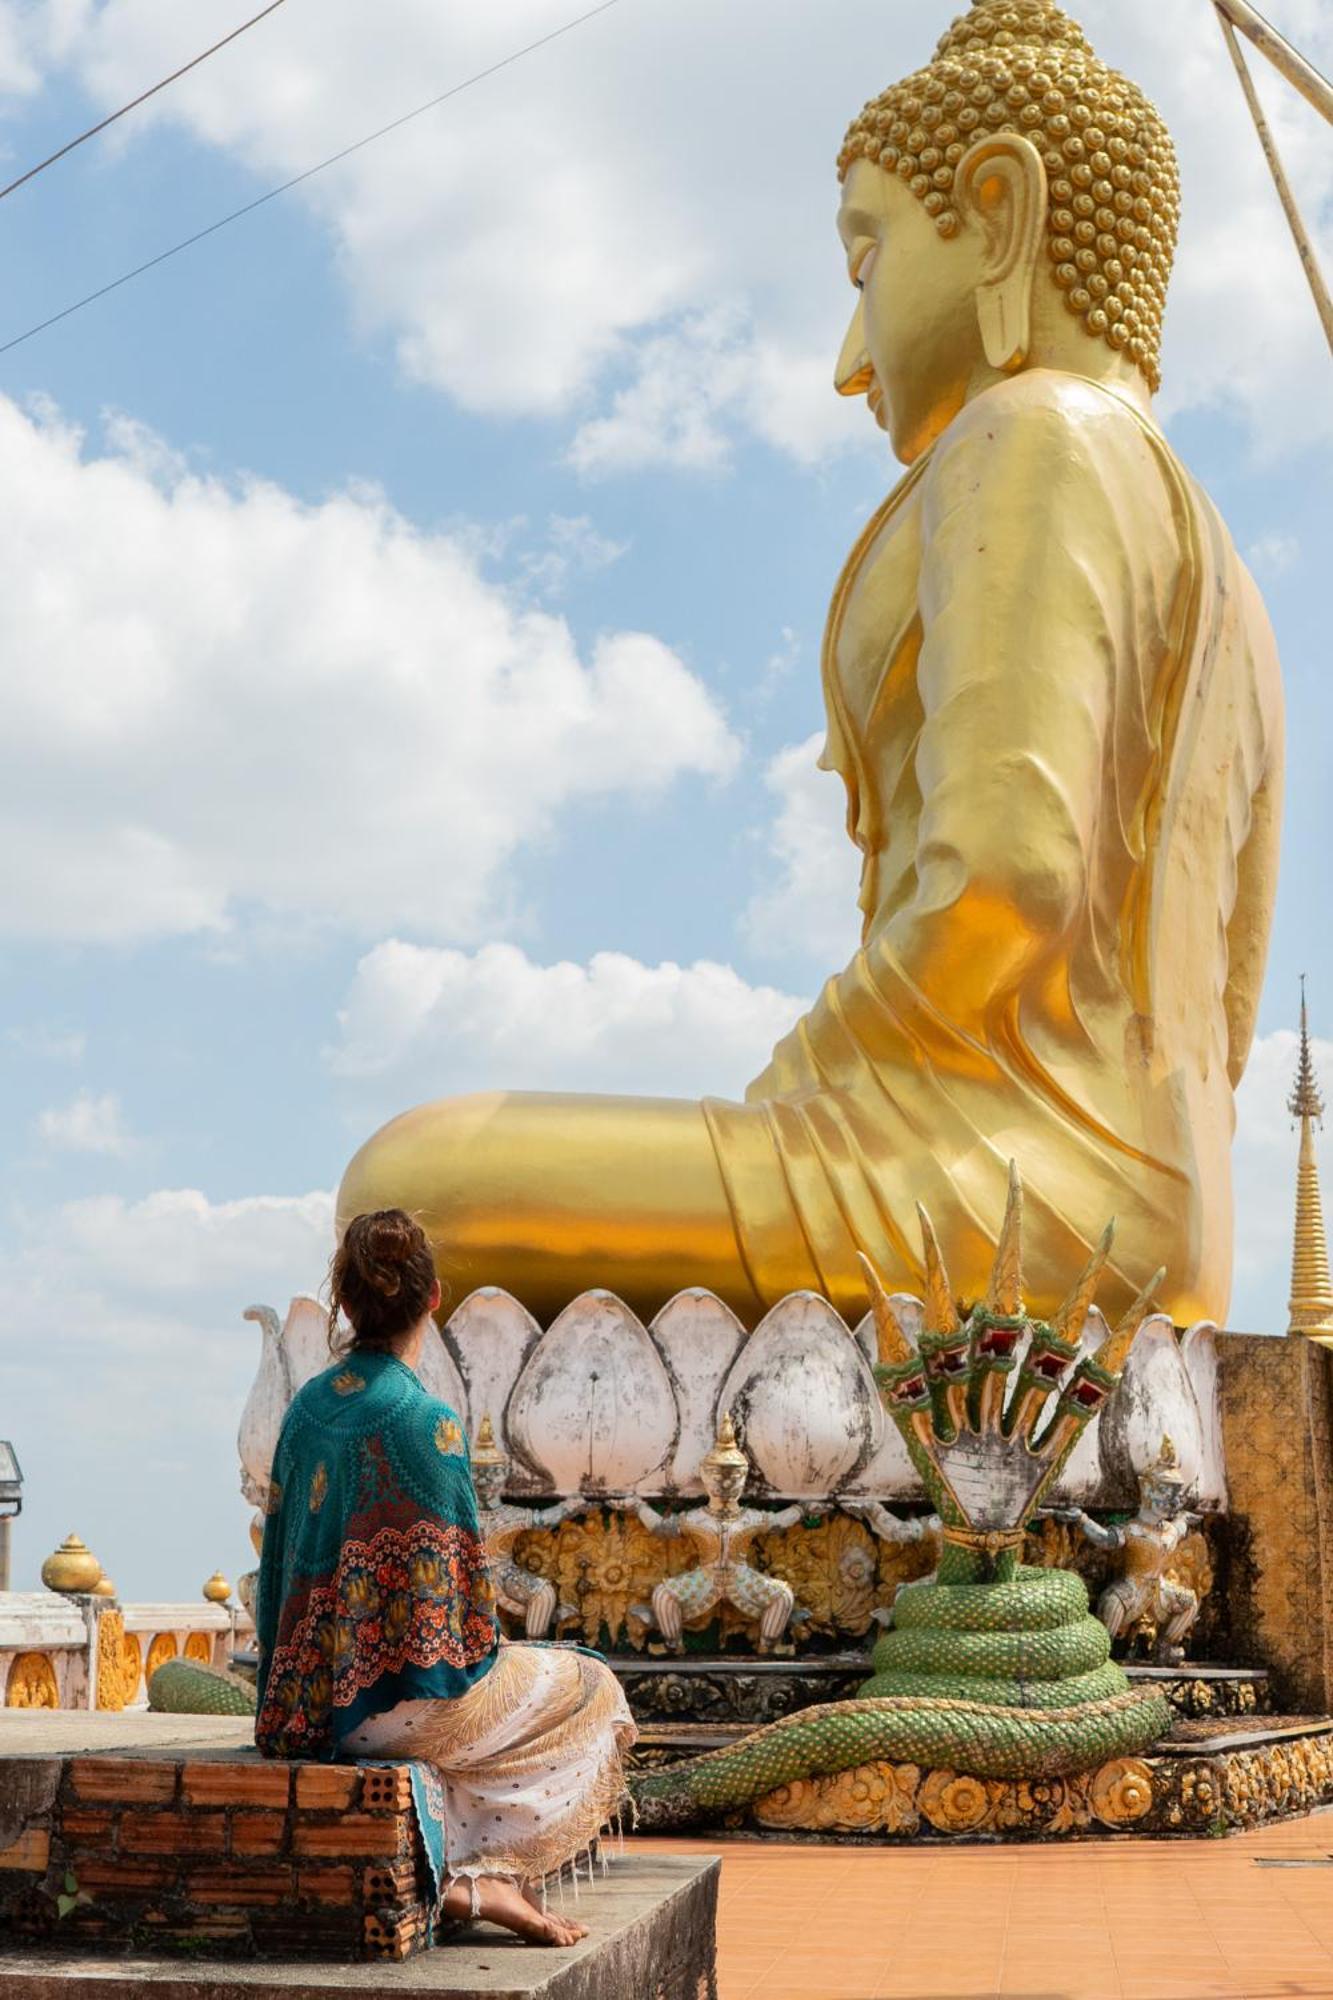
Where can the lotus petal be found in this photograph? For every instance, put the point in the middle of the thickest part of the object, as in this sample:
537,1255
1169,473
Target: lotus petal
265,1408
594,1407
1198,1350
1155,1400
698,1339
305,1340
804,1400
490,1336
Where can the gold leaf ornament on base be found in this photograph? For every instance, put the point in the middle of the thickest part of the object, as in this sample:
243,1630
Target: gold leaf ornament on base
32,1682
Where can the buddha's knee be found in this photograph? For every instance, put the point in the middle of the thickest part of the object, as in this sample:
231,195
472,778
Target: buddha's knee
424,1160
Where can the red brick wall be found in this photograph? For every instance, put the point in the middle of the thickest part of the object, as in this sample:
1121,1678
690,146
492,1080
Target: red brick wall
226,1856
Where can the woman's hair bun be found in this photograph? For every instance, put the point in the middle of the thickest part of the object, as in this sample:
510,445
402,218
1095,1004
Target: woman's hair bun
382,1274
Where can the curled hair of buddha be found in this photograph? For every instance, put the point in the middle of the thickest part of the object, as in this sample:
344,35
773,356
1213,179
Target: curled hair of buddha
381,1278
1024,66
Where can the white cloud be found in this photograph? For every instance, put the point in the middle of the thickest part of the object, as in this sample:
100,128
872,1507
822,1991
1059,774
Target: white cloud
649,200
47,1044
126,1366
1264,1165
1274,554
807,914
217,698
451,1020
573,547
87,1124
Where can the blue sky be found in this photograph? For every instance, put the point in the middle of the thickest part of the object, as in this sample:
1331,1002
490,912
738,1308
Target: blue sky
409,625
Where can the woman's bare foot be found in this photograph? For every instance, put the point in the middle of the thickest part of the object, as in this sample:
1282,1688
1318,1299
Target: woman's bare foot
504,1903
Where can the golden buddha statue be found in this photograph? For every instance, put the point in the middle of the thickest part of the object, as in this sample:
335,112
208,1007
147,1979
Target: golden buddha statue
1053,698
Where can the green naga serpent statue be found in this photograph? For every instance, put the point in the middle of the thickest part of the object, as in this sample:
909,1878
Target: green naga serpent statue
990,1667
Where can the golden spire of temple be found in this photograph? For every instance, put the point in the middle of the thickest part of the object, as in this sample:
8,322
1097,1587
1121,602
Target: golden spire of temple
1311,1309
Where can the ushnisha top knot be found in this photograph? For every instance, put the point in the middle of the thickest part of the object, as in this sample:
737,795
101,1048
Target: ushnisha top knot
1024,66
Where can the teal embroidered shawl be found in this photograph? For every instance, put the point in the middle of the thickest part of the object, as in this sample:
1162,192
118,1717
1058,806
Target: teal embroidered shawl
373,1583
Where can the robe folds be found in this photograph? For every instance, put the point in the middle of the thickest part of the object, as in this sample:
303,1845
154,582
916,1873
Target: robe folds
1053,699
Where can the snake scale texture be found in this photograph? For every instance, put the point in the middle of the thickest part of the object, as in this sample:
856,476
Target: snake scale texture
1009,1679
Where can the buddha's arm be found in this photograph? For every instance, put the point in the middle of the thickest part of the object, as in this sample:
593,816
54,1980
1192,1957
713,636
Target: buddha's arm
1049,547
1256,884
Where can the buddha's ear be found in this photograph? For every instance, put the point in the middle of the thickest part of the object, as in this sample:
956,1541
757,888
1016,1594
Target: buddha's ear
1000,189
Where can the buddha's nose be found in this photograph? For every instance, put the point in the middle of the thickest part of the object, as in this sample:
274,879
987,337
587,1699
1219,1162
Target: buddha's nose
854,372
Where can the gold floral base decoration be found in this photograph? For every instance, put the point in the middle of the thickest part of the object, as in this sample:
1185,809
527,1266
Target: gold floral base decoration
1211,1793
31,1682
903,1799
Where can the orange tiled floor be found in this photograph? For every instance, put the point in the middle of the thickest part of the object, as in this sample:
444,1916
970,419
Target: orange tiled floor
1091,1920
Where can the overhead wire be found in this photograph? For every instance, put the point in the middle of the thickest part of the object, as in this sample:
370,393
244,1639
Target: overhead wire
142,98
344,153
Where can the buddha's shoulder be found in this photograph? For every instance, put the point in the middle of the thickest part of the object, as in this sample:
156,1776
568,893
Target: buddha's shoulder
1045,410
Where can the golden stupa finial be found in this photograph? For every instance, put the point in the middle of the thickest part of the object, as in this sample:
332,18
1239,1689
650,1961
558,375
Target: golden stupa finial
892,1343
487,1451
941,1313
1068,1322
1306,1100
1005,1296
1310,1308
217,1590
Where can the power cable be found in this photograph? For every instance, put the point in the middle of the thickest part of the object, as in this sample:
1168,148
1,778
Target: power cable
357,146
142,98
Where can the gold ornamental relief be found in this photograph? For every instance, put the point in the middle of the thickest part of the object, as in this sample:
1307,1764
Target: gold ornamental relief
131,1669
873,1798
955,1803
831,1569
605,1566
110,1657
199,1647
32,1682
1121,1792
161,1649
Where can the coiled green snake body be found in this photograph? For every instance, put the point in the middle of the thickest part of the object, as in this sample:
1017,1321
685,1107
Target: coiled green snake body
1004,1679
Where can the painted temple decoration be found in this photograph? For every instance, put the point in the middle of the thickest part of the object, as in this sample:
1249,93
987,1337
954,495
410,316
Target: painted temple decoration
601,1404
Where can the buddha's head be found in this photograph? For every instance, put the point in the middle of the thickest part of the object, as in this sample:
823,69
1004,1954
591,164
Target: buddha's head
1012,205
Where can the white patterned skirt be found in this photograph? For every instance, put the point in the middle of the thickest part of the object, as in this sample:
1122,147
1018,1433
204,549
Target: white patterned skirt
531,1760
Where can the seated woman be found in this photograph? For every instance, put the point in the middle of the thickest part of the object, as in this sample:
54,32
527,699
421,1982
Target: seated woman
376,1614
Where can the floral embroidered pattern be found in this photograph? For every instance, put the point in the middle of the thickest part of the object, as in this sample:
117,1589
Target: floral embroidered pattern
349,1383
414,1597
449,1438
319,1487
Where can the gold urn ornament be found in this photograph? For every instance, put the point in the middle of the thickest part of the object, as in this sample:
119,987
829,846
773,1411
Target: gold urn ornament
104,1587
217,1590
72,1569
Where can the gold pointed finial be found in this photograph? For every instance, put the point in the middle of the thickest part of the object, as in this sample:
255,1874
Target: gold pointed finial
1306,1100
1113,1353
217,1590
941,1312
486,1451
1068,1322
1005,1297
1310,1308
893,1345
